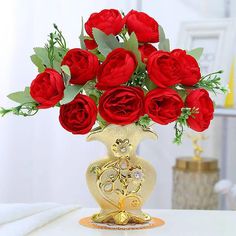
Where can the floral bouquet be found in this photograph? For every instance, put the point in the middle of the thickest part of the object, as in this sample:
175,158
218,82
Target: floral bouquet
119,77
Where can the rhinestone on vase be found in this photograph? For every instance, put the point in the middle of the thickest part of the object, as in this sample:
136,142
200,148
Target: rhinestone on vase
108,187
137,174
123,164
123,150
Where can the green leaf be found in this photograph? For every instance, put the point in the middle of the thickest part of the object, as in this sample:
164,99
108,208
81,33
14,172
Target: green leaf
132,45
42,53
164,43
66,74
144,121
21,96
196,53
102,123
95,95
81,37
70,93
98,54
66,70
38,62
100,57
59,53
106,43
150,85
89,86
40,58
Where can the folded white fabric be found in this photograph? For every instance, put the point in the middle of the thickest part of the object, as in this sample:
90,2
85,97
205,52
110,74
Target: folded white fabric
26,225
12,212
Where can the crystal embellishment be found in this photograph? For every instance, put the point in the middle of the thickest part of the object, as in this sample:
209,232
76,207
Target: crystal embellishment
137,174
108,187
121,148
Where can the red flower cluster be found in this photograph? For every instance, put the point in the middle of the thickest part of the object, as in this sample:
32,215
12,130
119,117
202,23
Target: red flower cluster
170,68
121,102
111,22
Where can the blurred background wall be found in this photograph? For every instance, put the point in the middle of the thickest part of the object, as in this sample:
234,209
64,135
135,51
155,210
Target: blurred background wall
39,160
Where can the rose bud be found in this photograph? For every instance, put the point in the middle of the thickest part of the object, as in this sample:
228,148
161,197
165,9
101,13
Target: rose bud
83,65
190,71
90,44
200,101
122,105
47,88
146,50
163,105
78,116
109,21
117,69
144,26
164,69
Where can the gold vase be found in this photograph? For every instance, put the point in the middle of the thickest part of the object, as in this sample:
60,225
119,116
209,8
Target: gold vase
121,182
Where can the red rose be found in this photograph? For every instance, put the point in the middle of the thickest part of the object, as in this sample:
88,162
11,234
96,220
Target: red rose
117,69
83,65
144,26
164,69
78,116
199,99
190,71
90,44
109,21
146,50
47,88
163,105
122,105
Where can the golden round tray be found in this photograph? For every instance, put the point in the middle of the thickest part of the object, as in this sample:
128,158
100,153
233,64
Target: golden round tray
155,222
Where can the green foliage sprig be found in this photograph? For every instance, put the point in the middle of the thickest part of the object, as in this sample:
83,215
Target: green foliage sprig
26,109
138,79
59,38
182,122
55,39
50,49
144,121
212,83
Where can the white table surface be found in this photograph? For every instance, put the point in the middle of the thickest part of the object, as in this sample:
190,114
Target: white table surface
178,223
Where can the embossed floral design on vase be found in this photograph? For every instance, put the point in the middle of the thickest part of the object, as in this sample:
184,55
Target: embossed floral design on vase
121,182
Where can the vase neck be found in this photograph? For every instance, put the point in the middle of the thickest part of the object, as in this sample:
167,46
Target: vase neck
121,140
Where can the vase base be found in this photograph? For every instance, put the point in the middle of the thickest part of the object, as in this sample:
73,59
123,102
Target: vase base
153,223
121,217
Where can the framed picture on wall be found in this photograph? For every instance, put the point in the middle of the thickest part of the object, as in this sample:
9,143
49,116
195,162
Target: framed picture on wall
218,38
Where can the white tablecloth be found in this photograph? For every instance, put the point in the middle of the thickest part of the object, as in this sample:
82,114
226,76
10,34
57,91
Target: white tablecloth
21,219
178,223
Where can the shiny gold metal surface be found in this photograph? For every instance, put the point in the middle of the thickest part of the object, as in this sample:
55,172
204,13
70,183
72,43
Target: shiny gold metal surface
88,222
200,165
121,182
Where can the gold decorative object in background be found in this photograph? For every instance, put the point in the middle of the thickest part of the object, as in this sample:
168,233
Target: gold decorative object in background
122,181
229,100
198,150
194,179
